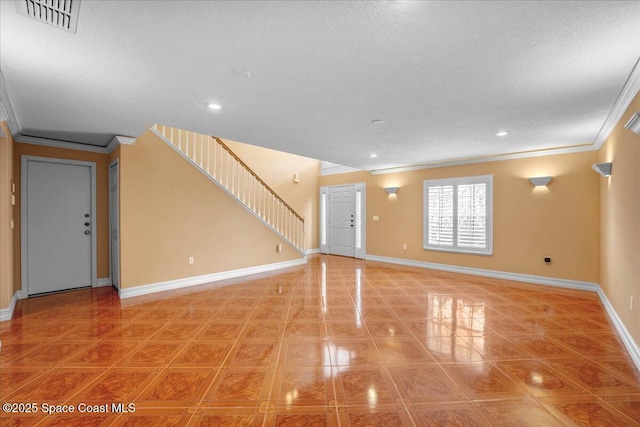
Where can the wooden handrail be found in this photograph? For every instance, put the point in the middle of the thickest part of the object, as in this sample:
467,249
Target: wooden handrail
255,175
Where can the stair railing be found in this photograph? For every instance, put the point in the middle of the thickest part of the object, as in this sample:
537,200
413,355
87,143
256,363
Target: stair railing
216,160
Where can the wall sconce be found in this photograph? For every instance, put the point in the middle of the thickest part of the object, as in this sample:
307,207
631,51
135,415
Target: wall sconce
391,190
634,124
296,178
603,169
540,180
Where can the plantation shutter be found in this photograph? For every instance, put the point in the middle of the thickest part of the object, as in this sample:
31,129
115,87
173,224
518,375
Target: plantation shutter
458,215
472,215
440,222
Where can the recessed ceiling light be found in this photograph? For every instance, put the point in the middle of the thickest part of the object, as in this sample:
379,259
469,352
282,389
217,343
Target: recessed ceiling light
243,74
502,133
377,121
373,155
213,106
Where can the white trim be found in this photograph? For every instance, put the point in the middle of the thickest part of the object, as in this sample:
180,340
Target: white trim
497,158
625,335
7,313
7,108
628,92
334,170
362,252
7,113
207,278
627,339
117,140
59,144
212,179
23,216
313,251
455,183
103,281
116,163
326,190
527,278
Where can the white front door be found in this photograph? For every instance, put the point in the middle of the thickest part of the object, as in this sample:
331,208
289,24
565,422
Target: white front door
343,225
342,220
57,225
114,225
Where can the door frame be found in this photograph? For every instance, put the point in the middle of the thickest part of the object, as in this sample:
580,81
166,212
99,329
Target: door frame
116,282
325,218
24,192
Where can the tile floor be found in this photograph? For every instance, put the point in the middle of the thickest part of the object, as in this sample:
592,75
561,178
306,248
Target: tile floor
338,342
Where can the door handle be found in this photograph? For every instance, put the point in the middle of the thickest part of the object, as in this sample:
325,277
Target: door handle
86,224
87,232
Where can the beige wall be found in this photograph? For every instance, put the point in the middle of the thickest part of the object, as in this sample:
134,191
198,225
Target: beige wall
7,287
620,222
276,169
170,211
102,198
560,221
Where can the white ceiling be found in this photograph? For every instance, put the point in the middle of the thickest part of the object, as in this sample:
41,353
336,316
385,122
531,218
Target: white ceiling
443,76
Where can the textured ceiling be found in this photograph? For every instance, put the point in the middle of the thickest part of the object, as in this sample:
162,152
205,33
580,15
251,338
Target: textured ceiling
443,76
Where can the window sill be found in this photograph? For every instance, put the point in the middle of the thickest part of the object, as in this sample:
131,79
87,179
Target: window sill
458,251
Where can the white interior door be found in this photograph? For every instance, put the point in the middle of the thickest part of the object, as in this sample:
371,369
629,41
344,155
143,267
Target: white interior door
341,220
57,212
114,224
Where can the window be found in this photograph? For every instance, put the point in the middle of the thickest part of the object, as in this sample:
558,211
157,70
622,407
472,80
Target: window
358,219
323,218
458,215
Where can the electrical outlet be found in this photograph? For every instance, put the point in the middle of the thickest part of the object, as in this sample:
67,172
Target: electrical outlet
404,246
547,260
279,247
190,260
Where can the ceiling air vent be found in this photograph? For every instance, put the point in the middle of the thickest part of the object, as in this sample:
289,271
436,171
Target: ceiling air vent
62,14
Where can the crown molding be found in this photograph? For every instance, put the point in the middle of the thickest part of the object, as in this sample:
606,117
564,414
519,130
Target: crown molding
629,91
115,141
118,140
25,139
6,109
3,118
523,155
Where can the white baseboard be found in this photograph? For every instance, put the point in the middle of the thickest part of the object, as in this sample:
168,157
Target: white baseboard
207,278
627,339
313,251
103,281
7,313
528,278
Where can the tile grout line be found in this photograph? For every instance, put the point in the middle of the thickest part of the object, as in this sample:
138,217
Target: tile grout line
223,363
331,364
382,363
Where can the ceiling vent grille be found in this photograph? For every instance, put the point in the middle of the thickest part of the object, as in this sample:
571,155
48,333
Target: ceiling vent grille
61,14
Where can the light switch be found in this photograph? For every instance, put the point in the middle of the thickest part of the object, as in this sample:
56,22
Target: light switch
376,218
13,200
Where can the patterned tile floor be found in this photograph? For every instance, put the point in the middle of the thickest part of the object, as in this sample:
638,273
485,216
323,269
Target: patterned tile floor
338,342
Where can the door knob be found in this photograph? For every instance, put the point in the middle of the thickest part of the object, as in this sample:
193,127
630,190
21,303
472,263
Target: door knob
86,224
86,215
87,232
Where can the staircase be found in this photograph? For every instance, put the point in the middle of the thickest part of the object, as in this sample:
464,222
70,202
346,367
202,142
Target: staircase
213,158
